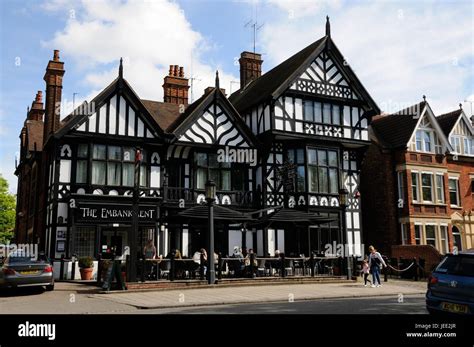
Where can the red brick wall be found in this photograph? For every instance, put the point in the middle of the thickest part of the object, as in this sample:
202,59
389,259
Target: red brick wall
429,253
379,200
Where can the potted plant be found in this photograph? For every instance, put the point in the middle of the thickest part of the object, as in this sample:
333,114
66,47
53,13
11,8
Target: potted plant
86,265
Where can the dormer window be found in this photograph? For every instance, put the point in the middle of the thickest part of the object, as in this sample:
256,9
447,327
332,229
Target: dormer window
462,145
424,142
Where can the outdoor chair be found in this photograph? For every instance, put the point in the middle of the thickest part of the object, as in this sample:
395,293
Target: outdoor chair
289,267
261,268
165,267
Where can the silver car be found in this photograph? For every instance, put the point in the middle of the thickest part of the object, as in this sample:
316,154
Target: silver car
19,270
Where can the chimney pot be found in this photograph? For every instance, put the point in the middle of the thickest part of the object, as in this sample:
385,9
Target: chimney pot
176,86
39,96
56,55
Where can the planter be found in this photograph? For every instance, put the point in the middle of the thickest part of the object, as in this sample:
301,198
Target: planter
86,274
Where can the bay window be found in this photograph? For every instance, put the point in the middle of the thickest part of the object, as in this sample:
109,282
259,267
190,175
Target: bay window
430,232
81,163
98,164
323,171
227,176
321,113
115,166
296,157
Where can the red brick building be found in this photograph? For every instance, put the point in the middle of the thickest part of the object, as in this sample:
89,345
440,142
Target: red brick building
417,182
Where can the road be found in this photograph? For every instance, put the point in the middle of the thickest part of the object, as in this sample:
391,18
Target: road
413,304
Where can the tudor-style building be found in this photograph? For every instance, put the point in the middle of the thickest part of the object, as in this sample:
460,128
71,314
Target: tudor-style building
303,127
422,166
312,114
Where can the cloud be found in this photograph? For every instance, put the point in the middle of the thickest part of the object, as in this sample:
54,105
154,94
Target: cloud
304,8
399,51
149,35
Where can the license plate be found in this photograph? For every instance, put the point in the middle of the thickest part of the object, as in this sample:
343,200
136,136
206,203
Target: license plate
456,308
29,272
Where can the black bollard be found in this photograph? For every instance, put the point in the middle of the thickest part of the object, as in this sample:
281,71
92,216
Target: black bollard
201,267
282,265
311,264
172,265
61,268
143,268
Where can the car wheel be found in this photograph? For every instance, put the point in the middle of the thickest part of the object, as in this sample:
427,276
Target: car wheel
50,287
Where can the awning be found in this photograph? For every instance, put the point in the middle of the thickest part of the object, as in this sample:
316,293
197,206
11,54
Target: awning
290,216
220,213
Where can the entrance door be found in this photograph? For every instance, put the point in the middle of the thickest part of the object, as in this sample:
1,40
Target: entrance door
113,239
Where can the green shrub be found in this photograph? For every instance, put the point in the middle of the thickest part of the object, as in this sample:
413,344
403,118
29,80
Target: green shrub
86,262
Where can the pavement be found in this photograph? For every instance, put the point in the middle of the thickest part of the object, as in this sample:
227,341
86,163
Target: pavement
73,298
258,294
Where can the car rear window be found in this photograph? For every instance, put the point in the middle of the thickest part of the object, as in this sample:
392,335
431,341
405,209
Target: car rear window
12,260
457,265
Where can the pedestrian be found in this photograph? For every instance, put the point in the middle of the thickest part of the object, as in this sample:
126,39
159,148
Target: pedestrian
365,272
375,260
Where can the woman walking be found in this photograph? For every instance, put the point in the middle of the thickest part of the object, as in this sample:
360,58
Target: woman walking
375,260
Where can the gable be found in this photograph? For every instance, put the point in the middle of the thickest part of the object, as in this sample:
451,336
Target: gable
116,116
427,121
462,127
324,77
214,126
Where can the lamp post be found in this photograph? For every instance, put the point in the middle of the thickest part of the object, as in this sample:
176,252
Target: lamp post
210,198
343,194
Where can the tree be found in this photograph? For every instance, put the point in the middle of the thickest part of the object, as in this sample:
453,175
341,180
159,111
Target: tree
7,212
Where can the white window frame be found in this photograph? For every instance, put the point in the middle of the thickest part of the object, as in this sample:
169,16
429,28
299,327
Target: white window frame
432,142
435,234
443,238
431,186
415,183
440,190
466,145
458,198
456,142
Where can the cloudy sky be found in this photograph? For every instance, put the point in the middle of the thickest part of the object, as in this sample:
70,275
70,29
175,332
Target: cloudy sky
400,50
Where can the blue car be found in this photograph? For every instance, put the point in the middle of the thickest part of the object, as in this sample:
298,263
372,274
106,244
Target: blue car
451,285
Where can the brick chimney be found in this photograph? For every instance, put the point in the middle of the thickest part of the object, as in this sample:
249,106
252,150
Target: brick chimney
250,67
37,111
54,86
175,86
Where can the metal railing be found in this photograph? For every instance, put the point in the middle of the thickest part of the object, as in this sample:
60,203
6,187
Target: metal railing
238,268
